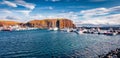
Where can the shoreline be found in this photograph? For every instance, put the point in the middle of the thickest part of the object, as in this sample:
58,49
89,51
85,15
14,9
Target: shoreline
112,54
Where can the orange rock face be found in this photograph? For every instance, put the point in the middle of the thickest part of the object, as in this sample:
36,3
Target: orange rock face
8,23
44,24
65,23
51,23
37,23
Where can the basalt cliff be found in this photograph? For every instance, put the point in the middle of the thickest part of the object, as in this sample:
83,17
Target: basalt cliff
43,24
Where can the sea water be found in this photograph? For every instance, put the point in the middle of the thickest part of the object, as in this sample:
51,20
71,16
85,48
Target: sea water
55,44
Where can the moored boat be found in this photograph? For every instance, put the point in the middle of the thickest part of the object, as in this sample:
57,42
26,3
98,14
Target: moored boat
50,29
111,33
53,29
80,32
6,29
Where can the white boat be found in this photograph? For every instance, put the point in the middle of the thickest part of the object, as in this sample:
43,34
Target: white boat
115,33
84,30
80,32
1,28
50,29
111,33
68,30
55,29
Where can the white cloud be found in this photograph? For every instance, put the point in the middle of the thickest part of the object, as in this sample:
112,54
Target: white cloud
97,11
103,21
19,2
9,3
17,15
15,3
103,16
38,16
12,18
5,11
25,12
92,16
25,4
78,7
69,15
49,7
114,9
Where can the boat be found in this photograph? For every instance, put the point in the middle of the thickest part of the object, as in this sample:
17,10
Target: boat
102,31
55,29
6,29
68,30
1,28
80,32
111,33
50,29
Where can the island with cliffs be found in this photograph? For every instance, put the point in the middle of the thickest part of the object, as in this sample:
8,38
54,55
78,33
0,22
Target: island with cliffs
41,24
66,25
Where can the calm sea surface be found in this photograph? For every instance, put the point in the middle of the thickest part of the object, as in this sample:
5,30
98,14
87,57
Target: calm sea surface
58,44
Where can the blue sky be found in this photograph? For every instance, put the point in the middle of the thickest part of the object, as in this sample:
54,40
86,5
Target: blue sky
79,11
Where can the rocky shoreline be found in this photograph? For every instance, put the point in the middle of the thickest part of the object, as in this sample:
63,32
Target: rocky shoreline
111,54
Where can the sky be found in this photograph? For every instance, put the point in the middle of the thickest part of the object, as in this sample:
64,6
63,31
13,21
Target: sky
95,12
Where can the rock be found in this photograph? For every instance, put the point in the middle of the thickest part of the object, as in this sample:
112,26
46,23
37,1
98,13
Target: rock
43,24
8,23
51,23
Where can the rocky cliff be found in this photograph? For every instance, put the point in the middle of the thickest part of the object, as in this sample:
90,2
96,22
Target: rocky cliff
51,23
44,24
8,23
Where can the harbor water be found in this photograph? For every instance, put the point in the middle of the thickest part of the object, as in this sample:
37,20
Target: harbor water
55,44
